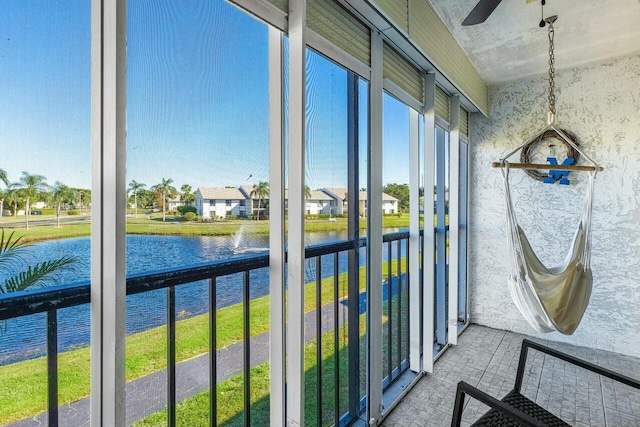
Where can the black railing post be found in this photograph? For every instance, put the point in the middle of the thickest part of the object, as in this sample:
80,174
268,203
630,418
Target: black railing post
389,311
319,339
336,339
52,367
213,354
423,345
246,335
171,356
353,220
408,302
399,302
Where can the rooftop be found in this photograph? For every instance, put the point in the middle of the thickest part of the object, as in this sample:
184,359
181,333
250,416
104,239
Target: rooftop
220,193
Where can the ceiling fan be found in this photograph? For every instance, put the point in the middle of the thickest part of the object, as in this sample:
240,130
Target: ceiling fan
483,9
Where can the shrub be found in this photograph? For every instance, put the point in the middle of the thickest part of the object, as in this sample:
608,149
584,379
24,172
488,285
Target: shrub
73,212
190,216
325,216
184,209
231,217
47,211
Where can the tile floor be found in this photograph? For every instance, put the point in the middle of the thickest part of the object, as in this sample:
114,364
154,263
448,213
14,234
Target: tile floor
488,359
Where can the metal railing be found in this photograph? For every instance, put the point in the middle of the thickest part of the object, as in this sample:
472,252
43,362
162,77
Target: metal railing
334,251
396,301
51,300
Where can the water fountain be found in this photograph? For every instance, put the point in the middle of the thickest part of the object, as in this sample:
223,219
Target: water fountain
239,246
237,237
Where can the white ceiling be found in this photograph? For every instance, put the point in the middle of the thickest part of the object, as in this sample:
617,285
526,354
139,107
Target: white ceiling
510,45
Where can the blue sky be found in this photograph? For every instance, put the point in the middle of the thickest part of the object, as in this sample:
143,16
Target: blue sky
45,104
197,98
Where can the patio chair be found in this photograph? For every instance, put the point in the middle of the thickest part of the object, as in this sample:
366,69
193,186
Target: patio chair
515,409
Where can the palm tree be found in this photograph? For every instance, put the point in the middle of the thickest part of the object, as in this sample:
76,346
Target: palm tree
12,195
261,191
166,190
85,197
186,194
60,194
38,275
135,186
81,196
307,192
3,178
32,185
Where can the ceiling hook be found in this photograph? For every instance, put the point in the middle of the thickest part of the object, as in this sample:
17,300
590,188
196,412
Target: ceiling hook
551,19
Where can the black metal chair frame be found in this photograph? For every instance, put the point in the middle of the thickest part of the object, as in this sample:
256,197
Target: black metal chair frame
513,413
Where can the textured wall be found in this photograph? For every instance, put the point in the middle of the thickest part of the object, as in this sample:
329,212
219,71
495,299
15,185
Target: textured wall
600,104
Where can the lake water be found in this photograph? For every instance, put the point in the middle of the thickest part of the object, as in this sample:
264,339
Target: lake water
25,337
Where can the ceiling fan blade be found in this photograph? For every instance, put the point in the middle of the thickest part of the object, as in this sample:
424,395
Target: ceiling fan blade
481,12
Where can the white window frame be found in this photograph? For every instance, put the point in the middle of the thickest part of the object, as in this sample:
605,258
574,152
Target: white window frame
108,210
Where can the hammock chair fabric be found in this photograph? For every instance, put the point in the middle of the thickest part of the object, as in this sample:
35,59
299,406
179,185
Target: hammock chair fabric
550,298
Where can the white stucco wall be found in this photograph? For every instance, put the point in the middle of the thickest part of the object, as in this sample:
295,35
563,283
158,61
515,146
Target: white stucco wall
315,207
389,207
600,104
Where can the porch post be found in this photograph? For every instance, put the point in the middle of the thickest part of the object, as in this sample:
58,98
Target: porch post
414,242
374,235
454,215
108,211
296,165
276,229
428,268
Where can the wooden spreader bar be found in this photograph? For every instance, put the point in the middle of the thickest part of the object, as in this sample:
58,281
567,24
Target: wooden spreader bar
549,167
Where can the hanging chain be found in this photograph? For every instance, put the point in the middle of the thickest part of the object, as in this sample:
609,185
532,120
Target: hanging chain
552,72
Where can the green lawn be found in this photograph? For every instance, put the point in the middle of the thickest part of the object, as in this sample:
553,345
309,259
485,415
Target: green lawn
49,232
177,226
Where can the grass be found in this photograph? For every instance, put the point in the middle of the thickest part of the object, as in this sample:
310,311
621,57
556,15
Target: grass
23,385
177,226
51,232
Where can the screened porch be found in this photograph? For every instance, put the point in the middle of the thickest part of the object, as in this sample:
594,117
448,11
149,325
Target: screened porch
272,212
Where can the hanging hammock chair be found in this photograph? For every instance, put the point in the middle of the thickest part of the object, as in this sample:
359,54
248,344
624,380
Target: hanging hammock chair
550,298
